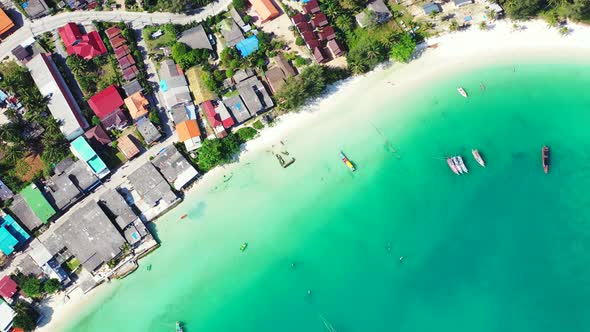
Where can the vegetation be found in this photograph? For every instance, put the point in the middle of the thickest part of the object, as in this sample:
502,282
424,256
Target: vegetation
26,316
154,117
258,125
578,10
187,57
403,49
51,286
30,285
246,133
167,39
175,6
216,151
239,5
93,75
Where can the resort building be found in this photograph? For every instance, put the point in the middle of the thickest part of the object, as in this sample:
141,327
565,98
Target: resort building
6,317
83,151
461,3
149,192
31,208
231,32
12,235
128,147
174,167
311,7
432,7
106,104
319,20
35,8
5,192
137,106
173,84
86,46
97,137
265,9
254,95
115,206
379,14
41,262
277,75
7,288
148,131
196,38
188,133
335,48
214,119
72,179
6,24
238,109
61,104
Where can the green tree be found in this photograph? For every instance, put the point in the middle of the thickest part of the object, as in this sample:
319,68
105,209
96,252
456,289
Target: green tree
523,9
26,317
483,26
31,286
454,26
210,154
239,5
95,120
51,286
246,133
403,49
155,117
299,41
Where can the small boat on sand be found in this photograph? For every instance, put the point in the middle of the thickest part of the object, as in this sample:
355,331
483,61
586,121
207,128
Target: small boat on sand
452,166
462,164
179,327
478,158
545,158
244,246
457,164
462,92
347,162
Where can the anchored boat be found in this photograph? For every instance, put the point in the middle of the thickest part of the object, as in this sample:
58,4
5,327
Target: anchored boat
347,162
179,327
545,158
244,246
462,164
457,164
478,158
462,92
452,166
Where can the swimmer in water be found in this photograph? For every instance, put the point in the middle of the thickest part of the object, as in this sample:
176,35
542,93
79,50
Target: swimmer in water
293,265
309,292
401,258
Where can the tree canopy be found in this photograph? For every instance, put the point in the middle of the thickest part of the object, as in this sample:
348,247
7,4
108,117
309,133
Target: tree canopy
26,317
403,49
522,9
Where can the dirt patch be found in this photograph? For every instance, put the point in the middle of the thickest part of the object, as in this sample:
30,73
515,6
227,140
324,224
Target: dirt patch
27,167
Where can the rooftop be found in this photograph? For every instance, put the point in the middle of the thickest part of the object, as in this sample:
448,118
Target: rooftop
97,136
84,151
35,8
231,32
105,102
24,213
136,105
115,120
86,46
238,108
151,186
196,38
132,87
7,287
254,95
127,146
5,192
148,131
37,202
115,206
174,167
5,22
248,46
187,130
311,7
112,32
67,186
265,9
173,84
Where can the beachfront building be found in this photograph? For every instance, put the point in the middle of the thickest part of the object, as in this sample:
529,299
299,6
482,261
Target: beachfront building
231,32
335,48
196,38
5,192
6,24
311,7
265,9
173,84
106,104
128,223
86,46
8,288
149,192
188,132
214,119
375,13
70,182
12,235
31,208
61,104
277,75
83,151
238,109
6,317
40,262
461,3
254,94
148,131
137,105
174,167
248,46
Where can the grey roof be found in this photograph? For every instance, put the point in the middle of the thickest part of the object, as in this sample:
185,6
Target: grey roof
23,212
148,131
176,85
379,7
27,266
132,87
236,17
71,179
231,32
5,192
132,235
432,7
178,114
238,108
459,3
115,206
243,74
150,185
38,252
90,236
254,95
196,38
173,166
36,8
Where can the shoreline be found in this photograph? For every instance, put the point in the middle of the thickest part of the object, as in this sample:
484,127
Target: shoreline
457,52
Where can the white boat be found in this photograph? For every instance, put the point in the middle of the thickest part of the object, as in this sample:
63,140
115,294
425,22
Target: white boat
462,92
462,164
457,164
478,157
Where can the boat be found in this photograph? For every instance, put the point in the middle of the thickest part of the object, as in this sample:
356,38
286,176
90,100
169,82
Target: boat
179,327
545,158
149,267
244,246
347,162
184,216
457,164
462,92
452,166
328,325
478,158
462,164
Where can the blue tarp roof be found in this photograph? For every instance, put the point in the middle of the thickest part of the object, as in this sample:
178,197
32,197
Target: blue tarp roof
3,96
248,46
163,85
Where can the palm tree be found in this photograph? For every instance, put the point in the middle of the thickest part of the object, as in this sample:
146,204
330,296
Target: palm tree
357,67
13,153
483,26
454,25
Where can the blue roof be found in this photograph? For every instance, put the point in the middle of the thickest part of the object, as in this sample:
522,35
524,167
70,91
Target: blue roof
431,7
248,46
7,241
163,85
84,151
11,234
191,112
25,5
3,96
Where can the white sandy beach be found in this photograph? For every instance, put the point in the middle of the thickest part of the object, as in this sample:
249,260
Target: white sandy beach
455,52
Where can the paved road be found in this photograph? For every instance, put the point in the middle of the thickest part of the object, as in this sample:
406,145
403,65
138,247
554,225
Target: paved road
136,19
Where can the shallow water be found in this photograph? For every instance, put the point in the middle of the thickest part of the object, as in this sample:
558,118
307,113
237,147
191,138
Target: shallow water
503,248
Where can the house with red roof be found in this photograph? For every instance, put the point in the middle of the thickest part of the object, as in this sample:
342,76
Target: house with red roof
303,27
118,41
121,51
298,18
112,32
106,102
311,7
214,119
327,33
126,61
7,287
335,48
319,20
86,46
130,73
318,55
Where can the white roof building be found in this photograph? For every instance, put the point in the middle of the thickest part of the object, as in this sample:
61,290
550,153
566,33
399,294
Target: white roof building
6,317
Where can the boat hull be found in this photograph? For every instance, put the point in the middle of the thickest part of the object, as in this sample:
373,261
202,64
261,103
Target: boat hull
452,166
478,158
545,159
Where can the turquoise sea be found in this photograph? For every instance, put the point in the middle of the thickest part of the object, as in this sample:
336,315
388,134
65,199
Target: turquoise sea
505,248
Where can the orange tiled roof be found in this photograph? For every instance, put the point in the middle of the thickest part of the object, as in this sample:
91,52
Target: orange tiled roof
265,9
136,104
187,129
127,146
5,22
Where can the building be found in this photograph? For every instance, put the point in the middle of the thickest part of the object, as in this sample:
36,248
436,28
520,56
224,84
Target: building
126,61
231,32
114,205
126,144
137,106
86,46
432,7
21,53
88,235
5,192
265,9
254,95
7,287
188,133
6,317
214,119
248,46
35,8
41,262
105,102
277,75
327,33
196,38
381,14
173,84
122,51
174,167
113,32
298,19
318,55
6,23
461,3
238,108
12,235
335,48
72,179
226,120
31,208
130,73
97,137
319,20
151,187
62,105
83,151
132,88
148,131
238,19
311,7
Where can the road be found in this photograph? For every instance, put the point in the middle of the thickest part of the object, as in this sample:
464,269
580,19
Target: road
136,19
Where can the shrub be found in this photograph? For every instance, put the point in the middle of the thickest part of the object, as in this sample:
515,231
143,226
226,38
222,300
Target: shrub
299,41
246,133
